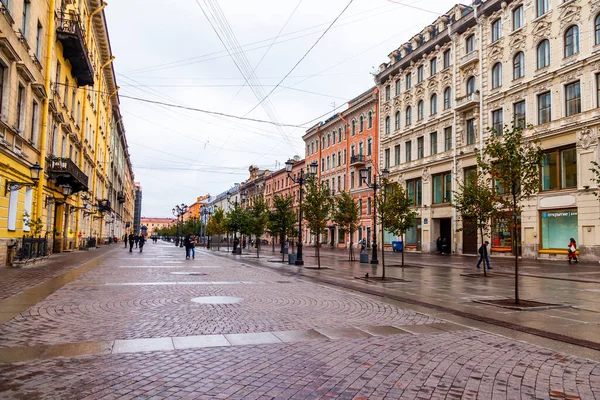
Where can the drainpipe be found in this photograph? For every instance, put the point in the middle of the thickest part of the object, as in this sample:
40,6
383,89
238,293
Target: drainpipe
480,20
454,86
45,108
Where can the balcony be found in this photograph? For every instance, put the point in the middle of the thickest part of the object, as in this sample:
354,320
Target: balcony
469,58
468,101
104,205
65,172
357,160
70,33
121,197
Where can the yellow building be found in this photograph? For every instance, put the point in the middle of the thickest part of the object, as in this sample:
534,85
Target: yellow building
59,109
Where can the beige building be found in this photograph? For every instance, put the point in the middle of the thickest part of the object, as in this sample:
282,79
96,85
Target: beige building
535,62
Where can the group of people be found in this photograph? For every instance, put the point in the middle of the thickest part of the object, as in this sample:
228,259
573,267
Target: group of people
134,239
190,246
443,245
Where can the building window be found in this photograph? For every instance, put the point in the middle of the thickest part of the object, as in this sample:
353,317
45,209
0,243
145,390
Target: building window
420,74
397,154
361,147
447,98
433,149
369,146
519,114
597,90
414,191
328,163
597,30
333,160
353,129
34,122
38,41
518,18
496,30
397,120
572,41
447,59
544,108
470,176
471,85
387,93
322,164
498,122
433,66
433,104
420,110
470,44
442,188
408,81
543,54
408,115
387,125
519,65
369,123
497,75
397,87
573,98
408,151
558,226
387,158
471,131
368,206
420,147
559,169
361,123
3,72
352,180
541,7
25,21
20,107
448,138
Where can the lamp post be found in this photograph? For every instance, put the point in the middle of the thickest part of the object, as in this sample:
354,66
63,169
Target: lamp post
205,215
34,170
300,180
179,211
235,239
364,173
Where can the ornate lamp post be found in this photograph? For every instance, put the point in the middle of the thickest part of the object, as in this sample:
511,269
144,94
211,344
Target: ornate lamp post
364,173
235,239
179,211
300,180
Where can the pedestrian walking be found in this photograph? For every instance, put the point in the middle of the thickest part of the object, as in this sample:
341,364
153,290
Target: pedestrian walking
136,238
141,241
131,241
438,244
572,248
445,246
125,239
363,245
190,247
483,255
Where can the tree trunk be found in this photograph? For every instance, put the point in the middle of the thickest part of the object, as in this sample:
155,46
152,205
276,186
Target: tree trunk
484,261
350,254
257,247
403,236
281,239
319,254
382,252
273,242
219,242
515,240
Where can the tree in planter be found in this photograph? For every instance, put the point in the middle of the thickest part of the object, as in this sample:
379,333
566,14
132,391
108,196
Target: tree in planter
259,216
346,215
513,162
395,213
317,208
281,219
476,201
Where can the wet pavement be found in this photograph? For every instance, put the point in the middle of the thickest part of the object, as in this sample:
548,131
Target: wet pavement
154,325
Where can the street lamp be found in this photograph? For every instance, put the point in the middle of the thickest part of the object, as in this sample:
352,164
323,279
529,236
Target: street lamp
300,180
235,239
364,173
34,170
179,211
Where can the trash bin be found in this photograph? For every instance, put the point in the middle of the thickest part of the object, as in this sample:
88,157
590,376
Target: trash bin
292,258
397,246
364,258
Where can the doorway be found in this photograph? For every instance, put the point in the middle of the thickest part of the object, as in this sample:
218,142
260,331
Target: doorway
469,236
446,230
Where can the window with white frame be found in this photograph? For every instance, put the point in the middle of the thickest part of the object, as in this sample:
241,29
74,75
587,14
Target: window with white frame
470,44
543,54
571,41
397,120
497,75
420,110
408,115
471,85
573,98
447,98
433,66
519,65
420,74
433,104
542,7
496,30
447,58
518,17
544,107
498,122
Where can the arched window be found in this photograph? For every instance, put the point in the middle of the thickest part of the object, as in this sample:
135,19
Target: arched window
340,135
597,29
387,125
433,104
519,65
471,85
447,98
420,110
370,120
497,75
572,41
353,127
496,30
543,54
328,140
361,123
333,137
397,120
408,115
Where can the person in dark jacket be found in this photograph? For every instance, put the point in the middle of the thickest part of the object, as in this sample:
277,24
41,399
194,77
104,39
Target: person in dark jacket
136,238
141,241
438,244
483,255
190,246
131,241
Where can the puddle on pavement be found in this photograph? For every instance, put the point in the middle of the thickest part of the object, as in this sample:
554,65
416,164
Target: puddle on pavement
168,266
188,273
217,300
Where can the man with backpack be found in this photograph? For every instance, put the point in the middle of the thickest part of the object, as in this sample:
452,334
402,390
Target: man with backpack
483,254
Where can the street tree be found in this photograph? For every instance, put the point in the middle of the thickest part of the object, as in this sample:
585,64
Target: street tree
237,220
259,216
513,162
216,225
346,215
281,218
596,176
476,201
317,208
396,213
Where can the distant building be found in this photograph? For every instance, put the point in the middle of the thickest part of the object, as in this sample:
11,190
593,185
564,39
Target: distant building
156,224
137,215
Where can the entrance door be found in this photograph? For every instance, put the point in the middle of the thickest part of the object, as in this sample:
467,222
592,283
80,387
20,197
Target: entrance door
469,236
446,230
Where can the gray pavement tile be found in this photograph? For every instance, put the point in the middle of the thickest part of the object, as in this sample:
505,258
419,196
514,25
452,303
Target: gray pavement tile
199,341
343,333
139,345
382,330
242,339
299,335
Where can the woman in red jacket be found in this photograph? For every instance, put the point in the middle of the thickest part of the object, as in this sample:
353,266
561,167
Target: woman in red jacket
572,249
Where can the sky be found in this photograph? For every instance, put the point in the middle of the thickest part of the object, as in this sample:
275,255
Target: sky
231,56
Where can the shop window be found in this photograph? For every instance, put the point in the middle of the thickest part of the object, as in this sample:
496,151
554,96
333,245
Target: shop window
502,232
442,188
414,191
558,227
559,169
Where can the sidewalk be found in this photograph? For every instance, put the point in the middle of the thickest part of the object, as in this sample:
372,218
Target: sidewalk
16,280
435,282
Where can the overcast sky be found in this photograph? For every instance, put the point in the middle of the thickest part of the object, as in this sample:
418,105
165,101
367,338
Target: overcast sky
169,52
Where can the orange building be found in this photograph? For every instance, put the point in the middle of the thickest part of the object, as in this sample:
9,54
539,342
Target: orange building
193,211
342,145
279,183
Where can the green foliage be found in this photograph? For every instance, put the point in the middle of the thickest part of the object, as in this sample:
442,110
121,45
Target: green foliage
596,178
346,215
259,216
317,208
281,219
35,224
238,220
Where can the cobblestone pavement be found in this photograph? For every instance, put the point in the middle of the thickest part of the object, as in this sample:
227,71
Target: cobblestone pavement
149,295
